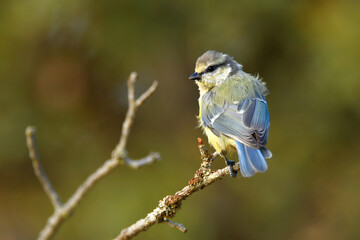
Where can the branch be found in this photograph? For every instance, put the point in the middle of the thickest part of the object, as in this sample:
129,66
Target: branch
171,204
118,157
136,164
39,170
175,225
133,105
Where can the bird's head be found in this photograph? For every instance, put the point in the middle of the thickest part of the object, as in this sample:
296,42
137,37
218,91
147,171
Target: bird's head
212,69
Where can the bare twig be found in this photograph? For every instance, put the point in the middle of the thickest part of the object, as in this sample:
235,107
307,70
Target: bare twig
118,157
175,225
133,104
146,94
136,164
39,170
169,205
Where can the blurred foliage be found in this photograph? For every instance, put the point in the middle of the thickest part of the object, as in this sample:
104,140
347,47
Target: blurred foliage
63,68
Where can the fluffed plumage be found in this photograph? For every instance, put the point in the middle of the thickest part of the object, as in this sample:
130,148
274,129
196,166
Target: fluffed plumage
233,111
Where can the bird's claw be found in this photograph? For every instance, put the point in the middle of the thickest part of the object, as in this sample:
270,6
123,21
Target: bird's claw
231,164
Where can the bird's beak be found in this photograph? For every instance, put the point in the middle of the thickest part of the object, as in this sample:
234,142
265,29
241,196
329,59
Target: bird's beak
195,76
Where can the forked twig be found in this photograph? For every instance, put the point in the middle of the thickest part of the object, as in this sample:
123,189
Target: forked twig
118,157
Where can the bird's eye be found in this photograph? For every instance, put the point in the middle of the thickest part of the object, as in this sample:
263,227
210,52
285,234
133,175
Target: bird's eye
210,69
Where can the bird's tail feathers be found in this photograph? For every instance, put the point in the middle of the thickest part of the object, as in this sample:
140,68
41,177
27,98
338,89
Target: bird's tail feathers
252,160
265,152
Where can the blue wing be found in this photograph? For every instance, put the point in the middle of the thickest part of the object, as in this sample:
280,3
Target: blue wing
248,124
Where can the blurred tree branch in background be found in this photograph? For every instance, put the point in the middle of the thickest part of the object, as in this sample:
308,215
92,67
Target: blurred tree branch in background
118,157
170,204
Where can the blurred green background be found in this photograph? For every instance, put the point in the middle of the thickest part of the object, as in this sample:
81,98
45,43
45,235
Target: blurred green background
64,66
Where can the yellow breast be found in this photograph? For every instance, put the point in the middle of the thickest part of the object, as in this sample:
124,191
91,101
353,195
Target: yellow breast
221,143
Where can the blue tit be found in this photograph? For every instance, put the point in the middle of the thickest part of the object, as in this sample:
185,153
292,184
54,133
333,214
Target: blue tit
233,111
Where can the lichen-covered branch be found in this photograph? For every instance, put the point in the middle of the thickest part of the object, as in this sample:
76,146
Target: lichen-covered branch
169,205
118,157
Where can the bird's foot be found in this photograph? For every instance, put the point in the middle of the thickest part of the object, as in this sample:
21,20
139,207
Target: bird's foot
231,164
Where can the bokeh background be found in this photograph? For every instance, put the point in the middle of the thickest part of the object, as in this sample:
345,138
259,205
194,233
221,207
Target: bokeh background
63,69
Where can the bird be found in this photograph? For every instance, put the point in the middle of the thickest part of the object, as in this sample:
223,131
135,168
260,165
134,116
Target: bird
233,111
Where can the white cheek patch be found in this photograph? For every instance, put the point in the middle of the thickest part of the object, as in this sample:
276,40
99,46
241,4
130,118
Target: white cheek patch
221,77
208,79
